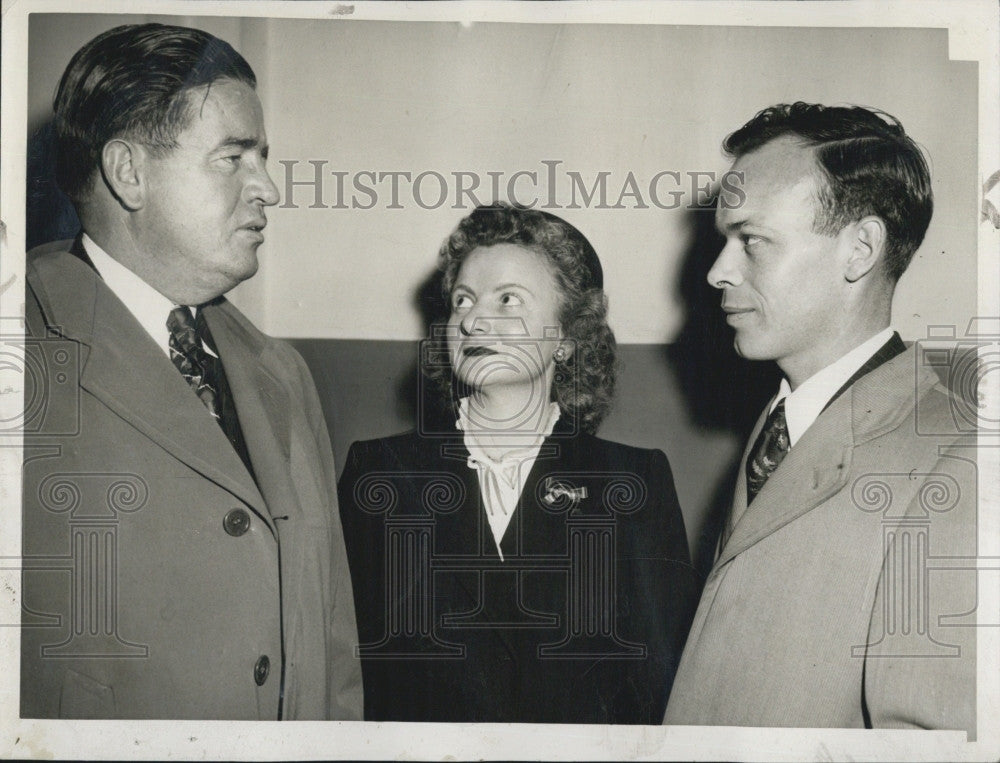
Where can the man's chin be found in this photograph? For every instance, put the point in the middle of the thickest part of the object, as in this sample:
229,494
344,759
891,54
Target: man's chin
748,350
247,269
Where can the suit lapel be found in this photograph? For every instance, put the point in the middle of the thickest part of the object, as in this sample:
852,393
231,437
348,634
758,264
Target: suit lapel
540,531
885,353
820,462
126,371
467,532
460,533
261,405
812,471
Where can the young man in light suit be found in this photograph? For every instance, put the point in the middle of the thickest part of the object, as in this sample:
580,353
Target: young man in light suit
182,544
821,609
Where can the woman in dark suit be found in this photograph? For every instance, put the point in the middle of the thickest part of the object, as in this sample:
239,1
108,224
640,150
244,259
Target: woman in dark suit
514,567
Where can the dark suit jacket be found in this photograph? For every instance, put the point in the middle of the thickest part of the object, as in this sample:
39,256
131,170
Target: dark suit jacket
583,620
158,573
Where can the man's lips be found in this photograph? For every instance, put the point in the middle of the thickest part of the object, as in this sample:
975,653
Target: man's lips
255,226
735,314
254,231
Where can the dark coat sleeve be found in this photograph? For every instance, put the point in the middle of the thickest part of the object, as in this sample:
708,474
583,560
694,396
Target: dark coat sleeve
359,497
368,491
658,592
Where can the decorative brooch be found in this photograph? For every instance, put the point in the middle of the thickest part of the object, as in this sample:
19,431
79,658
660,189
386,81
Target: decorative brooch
554,490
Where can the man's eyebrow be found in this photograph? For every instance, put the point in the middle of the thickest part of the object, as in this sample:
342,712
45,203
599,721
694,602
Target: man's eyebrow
243,143
731,226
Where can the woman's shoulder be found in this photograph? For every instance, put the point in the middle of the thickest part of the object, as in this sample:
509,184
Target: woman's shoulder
407,450
610,451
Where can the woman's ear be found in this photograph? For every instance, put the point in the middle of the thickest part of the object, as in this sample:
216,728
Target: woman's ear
563,351
868,238
122,166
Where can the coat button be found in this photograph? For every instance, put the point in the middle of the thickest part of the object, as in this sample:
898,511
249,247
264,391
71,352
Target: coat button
236,522
261,669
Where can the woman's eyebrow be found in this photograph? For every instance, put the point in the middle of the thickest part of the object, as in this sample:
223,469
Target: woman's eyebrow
513,285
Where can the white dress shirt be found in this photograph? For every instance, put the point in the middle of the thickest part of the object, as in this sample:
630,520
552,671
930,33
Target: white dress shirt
501,481
148,306
804,405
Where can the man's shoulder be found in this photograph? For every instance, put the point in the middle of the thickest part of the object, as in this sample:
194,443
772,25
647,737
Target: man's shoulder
51,249
46,260
63,245
907,399
277,357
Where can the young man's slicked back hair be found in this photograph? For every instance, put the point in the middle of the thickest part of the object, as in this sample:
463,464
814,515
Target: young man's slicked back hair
133,82
870,167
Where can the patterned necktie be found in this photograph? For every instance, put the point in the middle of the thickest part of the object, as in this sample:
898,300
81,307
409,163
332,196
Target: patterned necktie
768,451
189,357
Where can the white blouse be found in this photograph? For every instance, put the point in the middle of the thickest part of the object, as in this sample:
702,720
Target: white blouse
501,481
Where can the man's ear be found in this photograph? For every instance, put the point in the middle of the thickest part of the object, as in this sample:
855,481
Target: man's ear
867,244
122,165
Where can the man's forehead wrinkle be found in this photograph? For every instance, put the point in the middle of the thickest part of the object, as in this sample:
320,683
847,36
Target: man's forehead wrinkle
203,107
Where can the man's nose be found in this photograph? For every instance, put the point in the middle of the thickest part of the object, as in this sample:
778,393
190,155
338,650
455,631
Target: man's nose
261,188
725,271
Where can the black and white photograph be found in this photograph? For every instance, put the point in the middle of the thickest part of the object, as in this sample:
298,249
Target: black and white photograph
500,380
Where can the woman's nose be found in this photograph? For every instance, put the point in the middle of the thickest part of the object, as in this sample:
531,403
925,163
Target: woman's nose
474,323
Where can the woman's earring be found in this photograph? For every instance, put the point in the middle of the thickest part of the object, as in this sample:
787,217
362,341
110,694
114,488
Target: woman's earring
560,354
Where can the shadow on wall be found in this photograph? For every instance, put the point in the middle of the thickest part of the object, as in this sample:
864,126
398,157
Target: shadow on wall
49,214
720,390
420,401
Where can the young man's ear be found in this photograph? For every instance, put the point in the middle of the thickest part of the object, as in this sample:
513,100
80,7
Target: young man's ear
122,165
867,247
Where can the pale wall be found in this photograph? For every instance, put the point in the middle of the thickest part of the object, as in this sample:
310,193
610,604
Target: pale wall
389,96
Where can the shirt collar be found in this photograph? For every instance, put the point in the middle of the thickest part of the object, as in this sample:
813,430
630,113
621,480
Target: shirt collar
521,443
804,405
146,304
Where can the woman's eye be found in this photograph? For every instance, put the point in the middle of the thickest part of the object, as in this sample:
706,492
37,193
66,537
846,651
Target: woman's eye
509,299
462,302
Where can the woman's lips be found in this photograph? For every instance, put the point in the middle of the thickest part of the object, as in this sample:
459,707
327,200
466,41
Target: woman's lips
478,350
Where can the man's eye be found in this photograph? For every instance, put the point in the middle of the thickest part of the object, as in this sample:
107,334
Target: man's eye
750,240
509,299
462,302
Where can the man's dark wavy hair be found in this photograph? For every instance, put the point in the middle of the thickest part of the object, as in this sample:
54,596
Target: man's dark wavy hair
132,82
869,164
584,383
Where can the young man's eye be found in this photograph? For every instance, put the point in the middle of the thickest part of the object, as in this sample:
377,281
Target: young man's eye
461,302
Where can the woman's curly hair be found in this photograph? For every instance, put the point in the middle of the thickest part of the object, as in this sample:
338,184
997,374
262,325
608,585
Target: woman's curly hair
584,383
